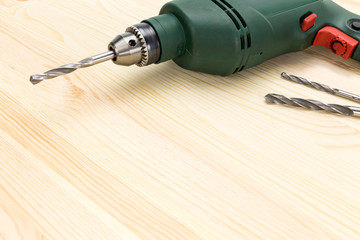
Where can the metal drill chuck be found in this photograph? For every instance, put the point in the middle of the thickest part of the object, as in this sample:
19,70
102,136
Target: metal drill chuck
138,45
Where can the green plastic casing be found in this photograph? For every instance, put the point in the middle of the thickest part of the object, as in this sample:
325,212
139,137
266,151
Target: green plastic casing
223,37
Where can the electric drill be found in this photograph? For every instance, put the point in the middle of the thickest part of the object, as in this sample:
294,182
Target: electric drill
223,37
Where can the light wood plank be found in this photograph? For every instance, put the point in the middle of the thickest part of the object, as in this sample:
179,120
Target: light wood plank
160,152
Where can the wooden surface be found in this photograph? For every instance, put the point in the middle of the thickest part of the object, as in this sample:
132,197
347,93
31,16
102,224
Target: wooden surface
160,152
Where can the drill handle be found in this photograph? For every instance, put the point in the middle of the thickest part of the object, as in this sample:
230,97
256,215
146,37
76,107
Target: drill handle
339,31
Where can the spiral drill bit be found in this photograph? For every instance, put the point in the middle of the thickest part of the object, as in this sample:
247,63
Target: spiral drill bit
321,87
68,68
313,105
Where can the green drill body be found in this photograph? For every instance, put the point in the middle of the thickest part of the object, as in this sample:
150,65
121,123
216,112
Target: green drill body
223,37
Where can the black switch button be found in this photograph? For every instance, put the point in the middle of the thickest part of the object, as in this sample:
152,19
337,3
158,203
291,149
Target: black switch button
355,26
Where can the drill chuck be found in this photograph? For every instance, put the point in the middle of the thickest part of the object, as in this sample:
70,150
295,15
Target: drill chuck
138,45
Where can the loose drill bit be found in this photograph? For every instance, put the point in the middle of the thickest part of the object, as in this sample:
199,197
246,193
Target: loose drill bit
321,87
313,105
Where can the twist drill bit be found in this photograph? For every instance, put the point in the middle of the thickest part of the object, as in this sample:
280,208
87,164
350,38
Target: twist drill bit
321,87
68,68
313,105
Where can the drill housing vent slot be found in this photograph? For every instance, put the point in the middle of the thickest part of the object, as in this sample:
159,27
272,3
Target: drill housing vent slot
241,26
234,15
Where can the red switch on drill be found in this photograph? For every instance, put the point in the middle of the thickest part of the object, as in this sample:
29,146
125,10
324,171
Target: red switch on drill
337,41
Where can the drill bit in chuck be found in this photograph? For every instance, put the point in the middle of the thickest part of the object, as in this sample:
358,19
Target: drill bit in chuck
138,45
68,68
321,87
313,105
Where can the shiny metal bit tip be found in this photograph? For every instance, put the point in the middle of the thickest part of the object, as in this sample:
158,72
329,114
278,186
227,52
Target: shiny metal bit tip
68,68
313,105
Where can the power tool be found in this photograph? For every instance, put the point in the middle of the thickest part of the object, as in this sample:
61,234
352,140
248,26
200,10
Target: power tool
223,37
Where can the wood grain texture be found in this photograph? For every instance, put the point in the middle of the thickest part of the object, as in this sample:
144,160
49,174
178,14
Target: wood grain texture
160,152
